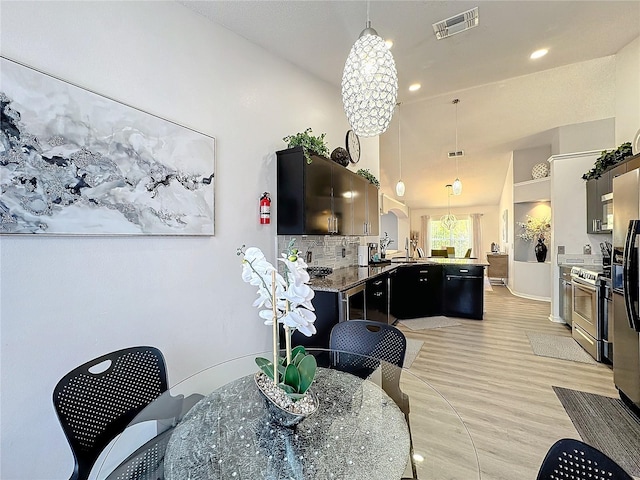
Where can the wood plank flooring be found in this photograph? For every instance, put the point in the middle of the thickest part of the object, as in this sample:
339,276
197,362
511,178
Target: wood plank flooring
501,390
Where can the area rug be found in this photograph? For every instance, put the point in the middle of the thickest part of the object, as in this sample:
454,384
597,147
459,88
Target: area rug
555,346
426,323
605,423
413,349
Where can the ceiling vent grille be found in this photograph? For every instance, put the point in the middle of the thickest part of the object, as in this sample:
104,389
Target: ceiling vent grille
456,24
458,153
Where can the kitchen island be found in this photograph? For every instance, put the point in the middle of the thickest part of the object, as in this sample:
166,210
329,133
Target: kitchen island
397,290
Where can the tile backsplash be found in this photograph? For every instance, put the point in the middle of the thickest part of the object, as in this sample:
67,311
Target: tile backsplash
326,250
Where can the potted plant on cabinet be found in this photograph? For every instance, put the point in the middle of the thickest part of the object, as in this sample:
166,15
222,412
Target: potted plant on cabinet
311,144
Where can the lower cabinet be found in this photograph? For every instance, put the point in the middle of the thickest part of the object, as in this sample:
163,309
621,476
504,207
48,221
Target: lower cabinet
416,291
463,291
377,299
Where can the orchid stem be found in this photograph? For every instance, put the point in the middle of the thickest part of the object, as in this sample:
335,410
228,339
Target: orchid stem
275,328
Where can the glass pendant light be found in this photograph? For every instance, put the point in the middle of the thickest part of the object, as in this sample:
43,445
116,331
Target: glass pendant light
369,84
457,184
449,221
400,185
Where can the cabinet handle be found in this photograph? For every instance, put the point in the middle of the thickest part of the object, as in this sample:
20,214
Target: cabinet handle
329,224
336,225
464,271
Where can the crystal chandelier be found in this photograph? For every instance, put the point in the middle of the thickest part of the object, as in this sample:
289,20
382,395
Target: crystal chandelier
369,84
457,184
449,221
400,185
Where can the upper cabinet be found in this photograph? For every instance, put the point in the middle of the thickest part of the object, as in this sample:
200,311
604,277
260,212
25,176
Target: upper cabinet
600,196
322,197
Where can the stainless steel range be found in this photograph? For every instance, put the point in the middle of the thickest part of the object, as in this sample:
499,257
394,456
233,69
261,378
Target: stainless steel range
590,316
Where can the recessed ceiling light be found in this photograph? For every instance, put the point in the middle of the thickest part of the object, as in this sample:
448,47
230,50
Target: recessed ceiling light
414,87
539,53
388,43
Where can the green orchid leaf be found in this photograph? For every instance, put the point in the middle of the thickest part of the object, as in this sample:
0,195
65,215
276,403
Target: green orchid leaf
266,366
292,377
297,350
287,389
307,369
297,359
295,396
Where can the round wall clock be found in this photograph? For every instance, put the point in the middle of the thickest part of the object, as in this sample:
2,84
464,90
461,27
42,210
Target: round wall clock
353,146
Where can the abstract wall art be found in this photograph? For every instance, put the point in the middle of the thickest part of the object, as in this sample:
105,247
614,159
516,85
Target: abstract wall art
75,162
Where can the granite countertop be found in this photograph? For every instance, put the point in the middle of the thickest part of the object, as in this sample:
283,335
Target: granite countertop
348,277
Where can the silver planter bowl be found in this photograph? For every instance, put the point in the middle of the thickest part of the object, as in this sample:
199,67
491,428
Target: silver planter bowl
281,416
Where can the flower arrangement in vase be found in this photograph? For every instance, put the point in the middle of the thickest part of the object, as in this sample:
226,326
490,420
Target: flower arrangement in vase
286,300
536,229
384,244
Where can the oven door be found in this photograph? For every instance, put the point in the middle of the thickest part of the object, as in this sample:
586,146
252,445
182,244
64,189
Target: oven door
585,325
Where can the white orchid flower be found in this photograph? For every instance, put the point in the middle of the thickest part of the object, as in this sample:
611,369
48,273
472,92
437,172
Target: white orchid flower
292,294
302,320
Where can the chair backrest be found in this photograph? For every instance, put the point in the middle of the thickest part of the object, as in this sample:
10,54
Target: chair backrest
438,252
97,400
420,252
372,341
451,252
468,254
569,458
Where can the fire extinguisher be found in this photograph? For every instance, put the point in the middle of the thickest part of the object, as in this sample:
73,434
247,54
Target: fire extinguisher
265,209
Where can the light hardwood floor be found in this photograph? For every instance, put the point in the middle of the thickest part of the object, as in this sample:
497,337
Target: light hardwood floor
501,390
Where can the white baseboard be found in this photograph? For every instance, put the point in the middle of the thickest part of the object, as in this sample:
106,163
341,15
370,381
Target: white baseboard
530,297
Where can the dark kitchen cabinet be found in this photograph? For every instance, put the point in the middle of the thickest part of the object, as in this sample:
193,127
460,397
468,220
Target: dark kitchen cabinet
304,200
377,295
416,291
366,213
463,291
599,196
322,197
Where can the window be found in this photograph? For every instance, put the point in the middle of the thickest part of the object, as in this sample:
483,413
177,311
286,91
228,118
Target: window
459,236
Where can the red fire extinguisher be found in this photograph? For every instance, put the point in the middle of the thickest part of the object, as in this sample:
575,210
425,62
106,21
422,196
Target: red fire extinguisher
265,209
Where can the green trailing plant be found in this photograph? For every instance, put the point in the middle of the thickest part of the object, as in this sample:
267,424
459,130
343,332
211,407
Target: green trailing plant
311,144
607,159
364,172
294,378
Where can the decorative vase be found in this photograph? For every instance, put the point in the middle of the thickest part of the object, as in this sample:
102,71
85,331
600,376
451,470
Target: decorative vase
294,412
541,251
540,170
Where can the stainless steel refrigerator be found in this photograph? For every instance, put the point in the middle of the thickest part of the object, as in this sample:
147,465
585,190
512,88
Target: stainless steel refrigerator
625,273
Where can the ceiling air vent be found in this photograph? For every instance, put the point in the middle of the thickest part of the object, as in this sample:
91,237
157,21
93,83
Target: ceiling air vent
459,153
456,24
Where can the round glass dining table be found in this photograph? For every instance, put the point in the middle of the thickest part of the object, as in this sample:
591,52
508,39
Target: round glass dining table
215,425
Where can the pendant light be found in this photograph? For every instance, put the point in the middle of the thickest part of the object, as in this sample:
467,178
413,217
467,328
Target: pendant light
457,184
369,84
449,221
400,185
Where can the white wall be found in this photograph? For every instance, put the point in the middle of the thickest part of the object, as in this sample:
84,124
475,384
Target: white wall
506,203
490,222
628,92
569,206
66,300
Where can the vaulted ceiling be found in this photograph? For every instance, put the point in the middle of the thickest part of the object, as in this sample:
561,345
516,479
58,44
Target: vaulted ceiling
507,100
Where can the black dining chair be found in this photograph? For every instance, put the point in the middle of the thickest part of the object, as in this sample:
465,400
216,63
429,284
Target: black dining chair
97,400
569,458
375,345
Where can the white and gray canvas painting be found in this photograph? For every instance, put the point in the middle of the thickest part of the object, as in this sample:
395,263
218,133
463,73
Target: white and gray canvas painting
74,162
